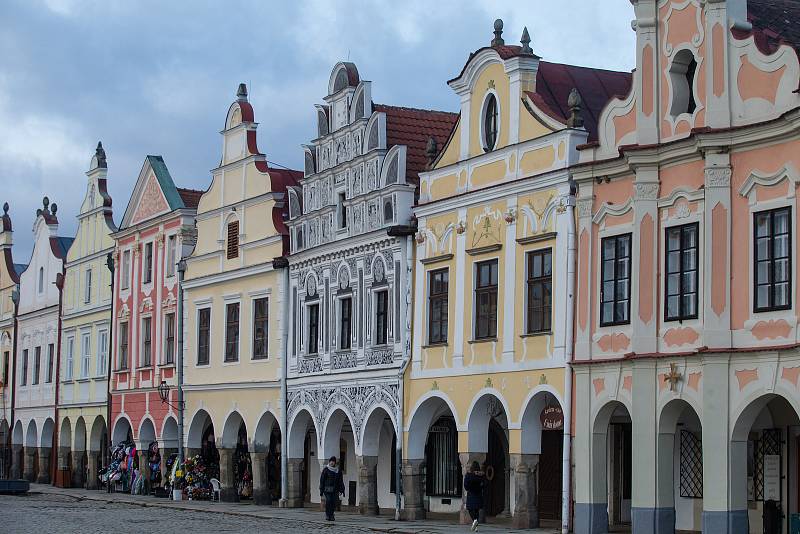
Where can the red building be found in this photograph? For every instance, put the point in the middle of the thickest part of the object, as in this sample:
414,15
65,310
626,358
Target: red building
158,223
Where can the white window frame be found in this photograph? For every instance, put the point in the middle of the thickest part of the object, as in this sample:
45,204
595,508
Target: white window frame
482,121
70,358
141,364
152,246
174,333
86,353
171,255
102,352
226,302
125,278
374,294
87,291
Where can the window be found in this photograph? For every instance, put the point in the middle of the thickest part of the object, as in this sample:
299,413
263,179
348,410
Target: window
23,379
443,467
51,356
342,211
41,279
148,263
102,352
233,240
70,358
5,368
381,317
437,306
490,120
486,299
772,255
87,294
260,328
345,322
86,346
232,332
123,346
37,364
126,269
682,73
616,280
313,328
681,273
540,291
147,342
172,243
203,335
169,338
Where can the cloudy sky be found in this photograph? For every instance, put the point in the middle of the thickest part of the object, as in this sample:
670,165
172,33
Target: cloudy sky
149,77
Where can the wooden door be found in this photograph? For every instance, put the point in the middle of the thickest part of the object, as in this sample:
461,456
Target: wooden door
550,470
495,470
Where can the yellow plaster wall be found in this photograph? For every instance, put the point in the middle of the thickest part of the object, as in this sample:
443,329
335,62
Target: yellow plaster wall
529,126
537,160
251,404
489,173
444,187
492,73
452,152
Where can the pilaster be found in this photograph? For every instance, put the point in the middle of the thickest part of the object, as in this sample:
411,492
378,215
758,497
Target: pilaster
294,478
228,492
261,493
509,282
460,290
646,76
78,470
643,450
526,513
585,285
368,485
43,476
644,259
717,243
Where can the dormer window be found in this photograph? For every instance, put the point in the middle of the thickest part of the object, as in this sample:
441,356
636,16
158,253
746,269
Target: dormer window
490,122
682,73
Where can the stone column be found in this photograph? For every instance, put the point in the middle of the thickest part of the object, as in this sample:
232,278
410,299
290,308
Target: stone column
646,515
294,482
16,461
413,491
261,493
92,482
226,478
44,466
28,473
77,469
368,485
466,461
144,469
526,514
589,451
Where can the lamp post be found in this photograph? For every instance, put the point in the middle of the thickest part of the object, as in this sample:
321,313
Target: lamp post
181,273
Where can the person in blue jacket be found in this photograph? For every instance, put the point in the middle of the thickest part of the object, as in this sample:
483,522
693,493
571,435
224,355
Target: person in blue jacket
331,485
474,483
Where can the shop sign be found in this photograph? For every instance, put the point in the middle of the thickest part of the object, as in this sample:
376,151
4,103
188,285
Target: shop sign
552,418
772,477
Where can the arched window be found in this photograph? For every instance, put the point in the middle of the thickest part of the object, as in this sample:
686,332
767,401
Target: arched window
490,122
443,469
682,72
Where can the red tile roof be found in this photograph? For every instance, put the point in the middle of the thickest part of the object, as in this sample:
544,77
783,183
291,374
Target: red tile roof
774,23
190,197
412,127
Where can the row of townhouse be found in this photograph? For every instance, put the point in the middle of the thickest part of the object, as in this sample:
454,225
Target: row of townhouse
583,280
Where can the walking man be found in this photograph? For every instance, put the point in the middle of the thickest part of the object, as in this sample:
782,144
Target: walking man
331,485
473,484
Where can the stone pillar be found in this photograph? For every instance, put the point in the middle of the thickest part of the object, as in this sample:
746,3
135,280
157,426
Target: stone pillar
466,461
526,514
229,492
44,466
16,461
589,452
78,468
92,482
413,491
28,473
294,482
144,469
261,493
368,485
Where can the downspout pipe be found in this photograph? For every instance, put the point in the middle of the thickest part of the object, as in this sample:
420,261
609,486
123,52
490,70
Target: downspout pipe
110,358
569,334
60,279
283,264
408,233
181,274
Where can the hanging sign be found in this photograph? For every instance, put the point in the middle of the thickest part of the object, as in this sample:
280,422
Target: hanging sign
772,477
552,418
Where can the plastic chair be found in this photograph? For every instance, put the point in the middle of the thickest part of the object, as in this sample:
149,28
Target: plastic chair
216,488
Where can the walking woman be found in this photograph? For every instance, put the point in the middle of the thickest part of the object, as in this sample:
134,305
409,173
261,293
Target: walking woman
473,484
331,485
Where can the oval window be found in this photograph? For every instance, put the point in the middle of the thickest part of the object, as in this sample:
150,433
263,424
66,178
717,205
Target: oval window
490,119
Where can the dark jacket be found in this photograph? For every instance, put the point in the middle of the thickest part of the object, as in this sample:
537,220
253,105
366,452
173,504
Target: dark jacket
330,479
473,484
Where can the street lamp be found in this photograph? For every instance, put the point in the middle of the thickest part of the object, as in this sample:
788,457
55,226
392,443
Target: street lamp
163,392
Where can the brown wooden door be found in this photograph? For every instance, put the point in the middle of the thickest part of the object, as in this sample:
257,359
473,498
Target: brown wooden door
495,471
550,469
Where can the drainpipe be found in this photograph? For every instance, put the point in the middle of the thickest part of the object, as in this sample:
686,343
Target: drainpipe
60,279
569,332
13,381
181,273
283,264
109,360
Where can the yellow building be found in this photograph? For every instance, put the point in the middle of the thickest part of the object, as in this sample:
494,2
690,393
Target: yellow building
234,290
85,333
489,379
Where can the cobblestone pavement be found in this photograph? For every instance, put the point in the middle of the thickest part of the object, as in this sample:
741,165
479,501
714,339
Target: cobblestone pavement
51,514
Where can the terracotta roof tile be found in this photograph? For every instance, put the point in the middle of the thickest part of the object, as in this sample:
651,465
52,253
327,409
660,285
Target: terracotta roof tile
190,197
774,23
412,127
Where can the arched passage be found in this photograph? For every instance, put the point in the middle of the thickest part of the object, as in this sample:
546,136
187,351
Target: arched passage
79,466
302,448
236,470
378,470
65,446
122,432
487,426
97,446
338,440
201,441
146,434
611,462
5,449
31,452
266,457
17,452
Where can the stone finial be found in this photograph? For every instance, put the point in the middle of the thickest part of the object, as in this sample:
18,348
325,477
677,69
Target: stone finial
431,150
100,154
574,102
5,208
241,94
46,203
54,209
498,33
526,42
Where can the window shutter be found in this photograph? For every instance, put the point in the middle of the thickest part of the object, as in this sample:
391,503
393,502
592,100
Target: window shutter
233,239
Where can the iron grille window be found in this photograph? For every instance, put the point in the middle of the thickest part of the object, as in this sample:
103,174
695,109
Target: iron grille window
260,328
51,356
691,466
232,332
616,275
37,364
769,443
169,338
123,346
147,342
540,289
490,124
443,467
203,335
233,240
438,282
148,263
313,328
486,299
773,262
681,272
345,322
381,317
